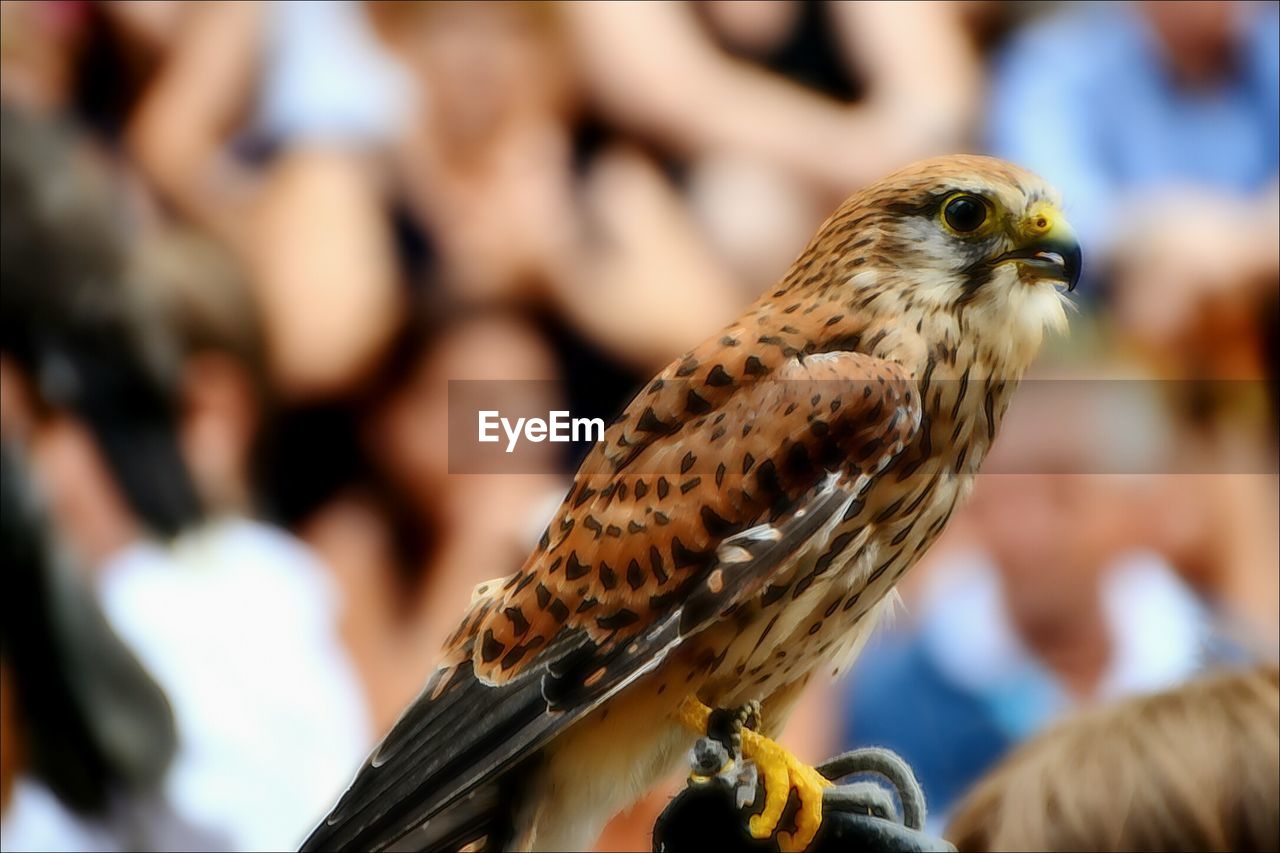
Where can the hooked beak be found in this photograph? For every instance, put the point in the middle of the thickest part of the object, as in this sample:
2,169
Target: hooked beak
1048,246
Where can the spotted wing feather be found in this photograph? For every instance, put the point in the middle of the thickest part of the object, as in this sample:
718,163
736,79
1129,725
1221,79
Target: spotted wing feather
438,779
637,532
477,722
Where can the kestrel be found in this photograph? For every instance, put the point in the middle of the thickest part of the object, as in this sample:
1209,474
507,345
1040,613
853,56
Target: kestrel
738,529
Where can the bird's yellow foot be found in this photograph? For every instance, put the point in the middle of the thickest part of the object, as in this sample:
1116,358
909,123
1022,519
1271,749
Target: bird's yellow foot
781,771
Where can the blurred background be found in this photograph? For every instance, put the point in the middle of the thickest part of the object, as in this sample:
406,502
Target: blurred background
246,245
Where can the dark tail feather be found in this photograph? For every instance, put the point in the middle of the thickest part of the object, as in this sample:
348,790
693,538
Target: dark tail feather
453,767
487,814
444,776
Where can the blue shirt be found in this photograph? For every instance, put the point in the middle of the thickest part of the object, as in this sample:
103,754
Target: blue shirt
954,688
1086,99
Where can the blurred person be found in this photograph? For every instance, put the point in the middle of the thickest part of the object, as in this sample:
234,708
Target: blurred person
1055,599
236,619
1214,513
520,208
460,108
37,53
1193,768
407,528
138,368
91,59
1170,96
440,158
1219,531
486,158
778,108
84,372
86,737
265,126
1167,128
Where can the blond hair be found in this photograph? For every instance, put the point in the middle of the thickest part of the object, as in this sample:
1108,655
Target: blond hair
1194,768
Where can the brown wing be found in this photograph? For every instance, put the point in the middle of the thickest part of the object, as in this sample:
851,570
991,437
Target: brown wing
451,771
711,448
439,778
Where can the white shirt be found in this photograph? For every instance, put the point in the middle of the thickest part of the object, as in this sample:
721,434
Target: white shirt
327,77
237,622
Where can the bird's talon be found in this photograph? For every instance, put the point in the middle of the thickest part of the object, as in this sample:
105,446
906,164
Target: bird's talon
782,771
749,716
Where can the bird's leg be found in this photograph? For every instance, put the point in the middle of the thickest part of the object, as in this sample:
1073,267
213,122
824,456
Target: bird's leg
782,771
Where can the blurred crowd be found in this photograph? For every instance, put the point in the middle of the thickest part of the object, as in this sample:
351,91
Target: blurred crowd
246,246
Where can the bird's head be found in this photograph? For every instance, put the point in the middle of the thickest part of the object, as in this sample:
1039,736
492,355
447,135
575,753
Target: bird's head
970,242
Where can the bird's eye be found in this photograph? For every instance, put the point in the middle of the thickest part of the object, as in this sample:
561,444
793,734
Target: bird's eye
965,213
